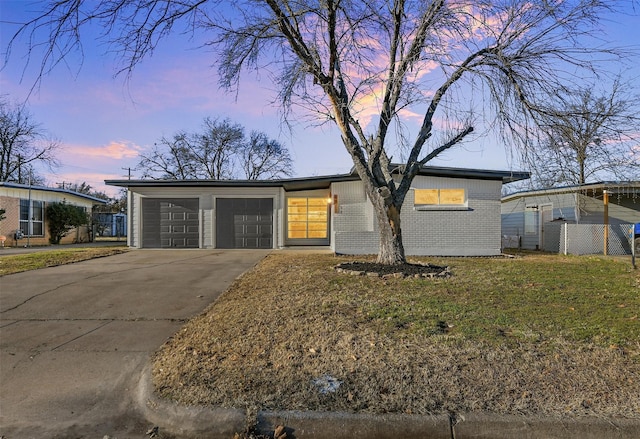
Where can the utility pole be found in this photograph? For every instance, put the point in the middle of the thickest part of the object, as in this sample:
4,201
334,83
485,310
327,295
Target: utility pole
19,168
129,171
30,218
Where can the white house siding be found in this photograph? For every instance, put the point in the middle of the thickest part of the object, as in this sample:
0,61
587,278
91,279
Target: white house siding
472,231
207,200
513,216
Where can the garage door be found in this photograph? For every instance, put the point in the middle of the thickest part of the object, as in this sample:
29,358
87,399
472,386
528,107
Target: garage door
170,223
244,223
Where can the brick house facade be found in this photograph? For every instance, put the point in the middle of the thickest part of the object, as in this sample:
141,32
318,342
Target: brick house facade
25,213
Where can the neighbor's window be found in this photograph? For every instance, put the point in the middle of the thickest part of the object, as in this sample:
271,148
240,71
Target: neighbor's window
35,212
440,197
306,218
531,220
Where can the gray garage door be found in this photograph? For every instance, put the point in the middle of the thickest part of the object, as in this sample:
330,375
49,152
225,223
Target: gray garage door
244,223
170,223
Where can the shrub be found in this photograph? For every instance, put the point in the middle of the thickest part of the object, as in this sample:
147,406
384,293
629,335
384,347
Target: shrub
62,218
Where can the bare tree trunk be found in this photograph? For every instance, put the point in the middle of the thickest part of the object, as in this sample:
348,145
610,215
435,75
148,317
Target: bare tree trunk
391,251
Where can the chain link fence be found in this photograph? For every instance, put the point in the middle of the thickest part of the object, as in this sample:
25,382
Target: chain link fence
588,239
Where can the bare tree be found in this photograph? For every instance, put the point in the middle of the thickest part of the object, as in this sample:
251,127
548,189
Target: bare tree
264,158
589,136
359,64
216,153
170,159
24,144
215,148
87,189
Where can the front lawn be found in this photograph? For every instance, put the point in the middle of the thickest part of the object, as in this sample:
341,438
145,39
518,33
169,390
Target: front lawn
536,334
10,264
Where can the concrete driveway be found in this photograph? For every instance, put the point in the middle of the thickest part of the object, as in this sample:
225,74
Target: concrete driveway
74,338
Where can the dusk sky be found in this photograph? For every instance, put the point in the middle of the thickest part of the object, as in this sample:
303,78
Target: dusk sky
104,122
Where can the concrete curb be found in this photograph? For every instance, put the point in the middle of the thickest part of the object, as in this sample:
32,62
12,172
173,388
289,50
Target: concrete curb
207,422
186,421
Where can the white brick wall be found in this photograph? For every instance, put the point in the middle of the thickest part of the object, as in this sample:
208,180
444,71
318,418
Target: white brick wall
471,232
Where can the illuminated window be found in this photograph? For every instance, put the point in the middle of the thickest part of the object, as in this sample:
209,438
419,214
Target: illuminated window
440,197
307,218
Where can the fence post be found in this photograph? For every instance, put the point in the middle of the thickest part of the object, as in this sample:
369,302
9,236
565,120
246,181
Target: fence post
605,199
566,238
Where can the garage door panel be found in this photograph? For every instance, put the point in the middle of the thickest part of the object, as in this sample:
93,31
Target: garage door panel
244,223
170,223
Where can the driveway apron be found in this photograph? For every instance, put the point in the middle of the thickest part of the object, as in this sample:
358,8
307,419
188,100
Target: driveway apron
74,338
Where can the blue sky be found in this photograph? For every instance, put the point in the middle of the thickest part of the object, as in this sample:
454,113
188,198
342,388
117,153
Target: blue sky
104,122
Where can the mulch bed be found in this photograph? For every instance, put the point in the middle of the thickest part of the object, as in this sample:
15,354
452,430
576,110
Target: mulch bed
399,270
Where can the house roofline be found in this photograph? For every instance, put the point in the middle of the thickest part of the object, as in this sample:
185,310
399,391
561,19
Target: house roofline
50,189
324,182
602,185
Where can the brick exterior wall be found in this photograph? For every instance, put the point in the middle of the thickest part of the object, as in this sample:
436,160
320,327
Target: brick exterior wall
11,223
472,231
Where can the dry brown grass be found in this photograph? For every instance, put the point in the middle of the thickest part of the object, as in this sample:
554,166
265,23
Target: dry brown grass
293,320
10,264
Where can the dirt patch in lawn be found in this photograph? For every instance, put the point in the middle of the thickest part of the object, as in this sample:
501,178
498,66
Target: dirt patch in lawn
509,336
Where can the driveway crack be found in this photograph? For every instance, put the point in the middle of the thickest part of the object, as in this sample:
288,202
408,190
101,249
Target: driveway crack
82,335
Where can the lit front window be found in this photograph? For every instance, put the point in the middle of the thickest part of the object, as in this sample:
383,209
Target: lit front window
440,197
307,218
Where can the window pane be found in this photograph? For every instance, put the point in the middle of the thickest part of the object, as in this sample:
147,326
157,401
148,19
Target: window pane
426,196
297,202
24,210
318,202
37,210
451,196
297,217
37,229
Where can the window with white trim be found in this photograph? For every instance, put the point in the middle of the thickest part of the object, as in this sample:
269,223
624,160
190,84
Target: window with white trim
32,217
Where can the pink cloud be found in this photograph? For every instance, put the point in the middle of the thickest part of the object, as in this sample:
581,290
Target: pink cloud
116,150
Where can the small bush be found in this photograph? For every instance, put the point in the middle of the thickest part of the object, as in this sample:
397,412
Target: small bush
62,218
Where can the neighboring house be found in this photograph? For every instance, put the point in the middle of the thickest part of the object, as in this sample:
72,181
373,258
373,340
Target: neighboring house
530,219
26,213
448,211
